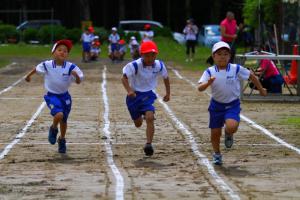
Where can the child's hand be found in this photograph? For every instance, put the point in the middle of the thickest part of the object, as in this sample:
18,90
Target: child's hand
131,94
166,98
263,92
211,80
74,73
27,78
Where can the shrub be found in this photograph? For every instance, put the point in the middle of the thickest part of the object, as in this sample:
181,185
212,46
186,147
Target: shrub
30,34
8,32
73,34
165,32
102,33
51,32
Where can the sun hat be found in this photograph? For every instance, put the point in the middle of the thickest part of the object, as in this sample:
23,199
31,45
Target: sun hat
148,46
67,43
121,42
132,38
114,29
220,45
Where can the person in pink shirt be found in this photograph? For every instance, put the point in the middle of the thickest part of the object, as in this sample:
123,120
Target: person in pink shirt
229,32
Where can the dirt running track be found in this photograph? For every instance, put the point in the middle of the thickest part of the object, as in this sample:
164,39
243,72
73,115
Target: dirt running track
257,167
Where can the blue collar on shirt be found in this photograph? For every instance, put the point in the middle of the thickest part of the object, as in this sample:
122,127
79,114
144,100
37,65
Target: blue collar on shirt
153,65
227,68
54,64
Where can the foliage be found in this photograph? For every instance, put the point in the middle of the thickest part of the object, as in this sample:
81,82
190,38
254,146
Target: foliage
73,34
136,34
165,32
102,33
30,34
7,32
51,32
267,8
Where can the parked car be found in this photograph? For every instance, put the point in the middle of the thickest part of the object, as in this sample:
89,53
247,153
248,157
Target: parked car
138,26
36,24
209,35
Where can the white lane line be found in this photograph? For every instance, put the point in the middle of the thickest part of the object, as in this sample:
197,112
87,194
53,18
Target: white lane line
14,84
22,132
248,120
110,160
202,159
31,98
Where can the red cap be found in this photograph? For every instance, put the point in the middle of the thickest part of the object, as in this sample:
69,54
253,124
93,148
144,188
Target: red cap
67,43
91,29
147,26
148,46
122,42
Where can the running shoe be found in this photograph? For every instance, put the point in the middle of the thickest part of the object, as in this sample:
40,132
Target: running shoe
148,149
52,135
228,140
62,148
217,159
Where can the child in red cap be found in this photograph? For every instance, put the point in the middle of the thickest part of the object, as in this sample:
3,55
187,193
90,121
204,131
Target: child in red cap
58,76
139,80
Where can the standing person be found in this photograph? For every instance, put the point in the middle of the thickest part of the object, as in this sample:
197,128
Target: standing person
190,31
148,34
58,76
113,43
224,109
139,80
229,32
86,39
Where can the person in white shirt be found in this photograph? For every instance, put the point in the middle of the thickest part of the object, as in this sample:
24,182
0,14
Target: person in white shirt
190,31
58,76
86,39
148,34
134,48
224,109
139,80
113,46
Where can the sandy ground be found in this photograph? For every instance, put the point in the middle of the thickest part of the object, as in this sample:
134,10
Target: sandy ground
257,167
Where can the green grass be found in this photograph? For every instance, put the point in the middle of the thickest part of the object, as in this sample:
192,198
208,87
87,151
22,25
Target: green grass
169,51
294,121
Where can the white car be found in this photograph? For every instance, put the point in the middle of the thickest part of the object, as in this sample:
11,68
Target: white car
138,26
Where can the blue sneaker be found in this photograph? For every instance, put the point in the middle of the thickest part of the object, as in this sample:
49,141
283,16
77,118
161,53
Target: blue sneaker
62,148
217,159
148,149
52,135
228,140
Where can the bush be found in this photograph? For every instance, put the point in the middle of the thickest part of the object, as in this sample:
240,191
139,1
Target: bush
8,33
30,34
135,34
102,33
165,32
73,34
49,32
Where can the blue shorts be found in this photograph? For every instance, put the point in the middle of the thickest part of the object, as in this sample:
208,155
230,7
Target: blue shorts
219,112
114,47
59,103
86,46
138,105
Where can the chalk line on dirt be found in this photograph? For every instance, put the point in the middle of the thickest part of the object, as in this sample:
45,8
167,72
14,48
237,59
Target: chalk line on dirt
110,160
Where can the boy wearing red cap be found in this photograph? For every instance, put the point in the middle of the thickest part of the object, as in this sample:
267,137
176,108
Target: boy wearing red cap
224,109
139,80
58,76
148,34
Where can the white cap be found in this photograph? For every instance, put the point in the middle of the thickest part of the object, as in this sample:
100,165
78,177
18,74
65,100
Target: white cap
96,37
219,45
114,29
132,38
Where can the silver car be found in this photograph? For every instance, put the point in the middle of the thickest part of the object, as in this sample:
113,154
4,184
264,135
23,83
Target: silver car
209,35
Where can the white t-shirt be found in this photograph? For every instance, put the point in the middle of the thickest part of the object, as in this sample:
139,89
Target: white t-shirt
87,37
114,38
57,79
226,87
148,36
145,77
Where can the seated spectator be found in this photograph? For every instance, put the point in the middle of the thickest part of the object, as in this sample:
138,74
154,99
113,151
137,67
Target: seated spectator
95,48
122,50
134,48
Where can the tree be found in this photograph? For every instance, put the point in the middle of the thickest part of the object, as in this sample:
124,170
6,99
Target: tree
147,12
85,7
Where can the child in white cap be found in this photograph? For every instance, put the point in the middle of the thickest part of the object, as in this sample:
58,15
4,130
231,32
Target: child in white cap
224,109
134,48
58,76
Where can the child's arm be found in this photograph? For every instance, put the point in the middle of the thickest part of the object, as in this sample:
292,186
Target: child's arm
255,81
77,78
127,87
28,76
203,86
167,85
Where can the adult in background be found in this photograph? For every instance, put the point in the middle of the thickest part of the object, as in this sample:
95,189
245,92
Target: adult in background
190,31
229,32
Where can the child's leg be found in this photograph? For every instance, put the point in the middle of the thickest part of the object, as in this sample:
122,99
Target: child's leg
138,122
231,126
215,139
57,119
63,129
149,115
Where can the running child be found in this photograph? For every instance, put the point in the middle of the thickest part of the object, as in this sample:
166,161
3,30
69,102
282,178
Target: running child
224,109
58,76
139,80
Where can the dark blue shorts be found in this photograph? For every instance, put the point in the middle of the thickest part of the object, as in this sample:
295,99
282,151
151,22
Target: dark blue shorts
114,47
59,103
138,105
219,112
86,46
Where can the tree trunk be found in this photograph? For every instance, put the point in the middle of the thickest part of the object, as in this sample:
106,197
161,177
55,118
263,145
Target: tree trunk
188,9
121,9
147,9
85,8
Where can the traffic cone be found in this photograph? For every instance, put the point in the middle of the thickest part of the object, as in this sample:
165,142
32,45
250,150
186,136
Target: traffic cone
292,77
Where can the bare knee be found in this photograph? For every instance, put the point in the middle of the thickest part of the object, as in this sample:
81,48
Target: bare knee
59,116
149,117
138,122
